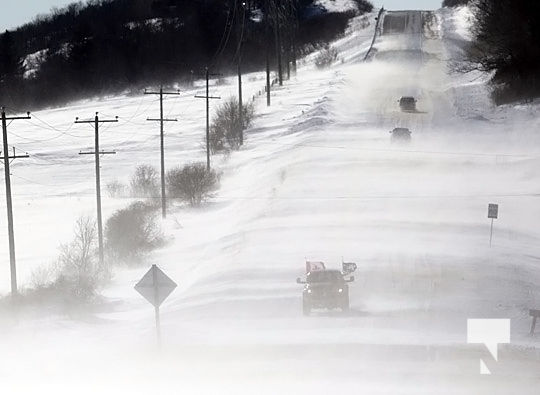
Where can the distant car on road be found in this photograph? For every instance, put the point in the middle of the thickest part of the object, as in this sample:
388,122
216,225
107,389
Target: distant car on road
407,104
325,289
400,134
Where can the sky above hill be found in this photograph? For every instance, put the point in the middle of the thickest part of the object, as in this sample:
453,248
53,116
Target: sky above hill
18,12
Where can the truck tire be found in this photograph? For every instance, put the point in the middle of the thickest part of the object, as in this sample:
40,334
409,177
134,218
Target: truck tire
306,308
345,304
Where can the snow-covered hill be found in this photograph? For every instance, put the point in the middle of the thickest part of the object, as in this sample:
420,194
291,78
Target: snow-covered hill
317,179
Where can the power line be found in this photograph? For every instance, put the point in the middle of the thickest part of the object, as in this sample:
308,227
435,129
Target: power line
450,153
226,35
46,185
379,197
238,54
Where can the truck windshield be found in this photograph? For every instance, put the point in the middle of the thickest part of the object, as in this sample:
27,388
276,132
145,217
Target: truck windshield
324,276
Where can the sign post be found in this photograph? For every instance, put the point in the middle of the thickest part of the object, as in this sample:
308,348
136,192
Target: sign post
493,212
155,286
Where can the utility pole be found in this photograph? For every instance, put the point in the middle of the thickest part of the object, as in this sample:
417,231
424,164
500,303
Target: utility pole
277,34
161,120
11,232
240,35
290,22
294,29
208,97
96,154
287,48
240,106
267,29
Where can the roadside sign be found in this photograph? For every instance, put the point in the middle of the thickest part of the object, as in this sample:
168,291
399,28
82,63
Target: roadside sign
493,210
155,286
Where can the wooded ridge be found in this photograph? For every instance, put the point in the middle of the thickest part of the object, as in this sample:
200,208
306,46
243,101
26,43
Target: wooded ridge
110,46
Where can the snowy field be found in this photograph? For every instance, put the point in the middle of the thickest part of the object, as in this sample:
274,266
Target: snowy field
319,179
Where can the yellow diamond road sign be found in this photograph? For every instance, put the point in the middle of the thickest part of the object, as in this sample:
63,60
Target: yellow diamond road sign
155,286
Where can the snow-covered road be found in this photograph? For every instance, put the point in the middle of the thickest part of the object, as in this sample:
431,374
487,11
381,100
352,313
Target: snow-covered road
317,179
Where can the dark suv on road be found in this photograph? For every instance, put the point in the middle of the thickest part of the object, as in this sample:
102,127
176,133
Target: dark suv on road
325,289
400,134
407,104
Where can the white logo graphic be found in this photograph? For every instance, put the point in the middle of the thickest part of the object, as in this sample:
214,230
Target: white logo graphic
490,332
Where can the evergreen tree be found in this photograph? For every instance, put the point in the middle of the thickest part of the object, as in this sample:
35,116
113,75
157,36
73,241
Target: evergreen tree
454,3
11,64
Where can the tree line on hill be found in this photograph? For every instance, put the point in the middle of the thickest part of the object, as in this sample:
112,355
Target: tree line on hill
505,41
454,3
110,46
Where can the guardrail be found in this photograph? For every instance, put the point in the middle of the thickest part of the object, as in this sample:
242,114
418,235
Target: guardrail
377,27
535,314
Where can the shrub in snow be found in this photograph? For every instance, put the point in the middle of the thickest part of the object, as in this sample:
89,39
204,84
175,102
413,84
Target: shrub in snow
515,91
145,182
132,232
193,183
77,274
364,22
116,189
326,57
225,130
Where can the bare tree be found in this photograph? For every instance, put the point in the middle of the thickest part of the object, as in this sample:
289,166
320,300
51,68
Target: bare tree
132,232
505,43
145,181
76,275
193,183
226,130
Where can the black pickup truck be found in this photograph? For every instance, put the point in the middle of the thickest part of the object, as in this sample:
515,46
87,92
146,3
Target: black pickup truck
325,289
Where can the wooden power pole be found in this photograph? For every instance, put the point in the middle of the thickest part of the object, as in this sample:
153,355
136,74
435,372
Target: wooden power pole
11,232
240,35
267,41
96,154
208,97
161,120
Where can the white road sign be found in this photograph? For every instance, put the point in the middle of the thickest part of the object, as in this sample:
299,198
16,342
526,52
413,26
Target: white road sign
155,286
